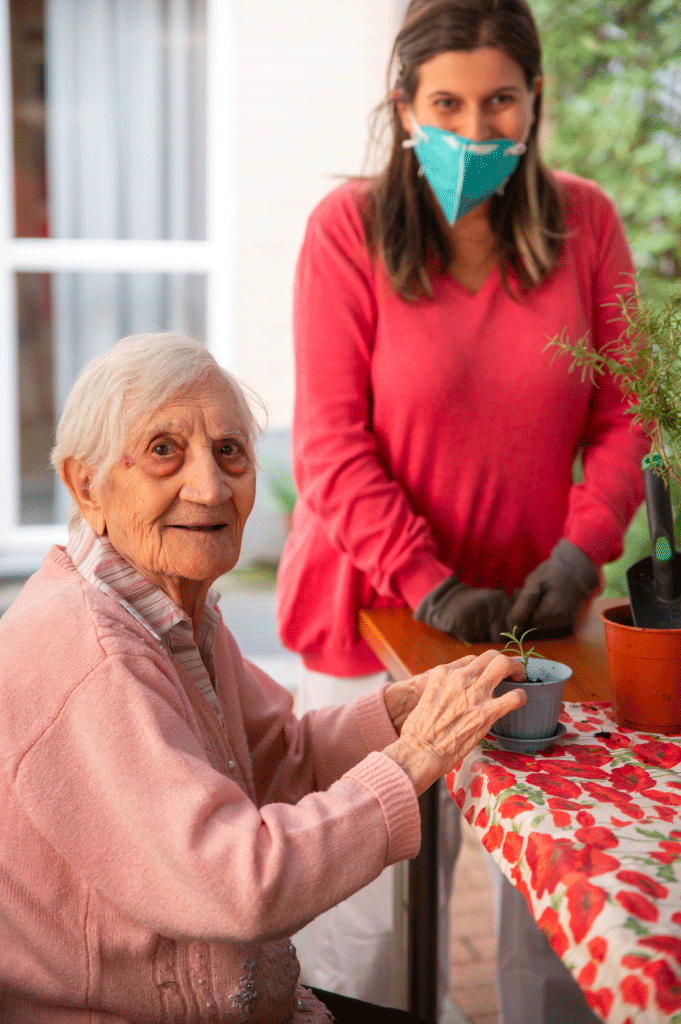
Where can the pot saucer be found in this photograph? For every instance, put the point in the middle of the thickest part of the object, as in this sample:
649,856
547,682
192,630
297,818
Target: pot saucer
524,746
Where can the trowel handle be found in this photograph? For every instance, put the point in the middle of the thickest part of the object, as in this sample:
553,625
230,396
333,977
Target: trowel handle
661,523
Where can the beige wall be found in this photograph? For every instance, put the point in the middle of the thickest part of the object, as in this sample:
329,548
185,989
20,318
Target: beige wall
308,72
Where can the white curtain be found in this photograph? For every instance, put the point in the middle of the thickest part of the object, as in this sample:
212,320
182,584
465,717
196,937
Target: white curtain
126,114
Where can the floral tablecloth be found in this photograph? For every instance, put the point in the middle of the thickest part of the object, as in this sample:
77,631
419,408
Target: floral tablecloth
590,832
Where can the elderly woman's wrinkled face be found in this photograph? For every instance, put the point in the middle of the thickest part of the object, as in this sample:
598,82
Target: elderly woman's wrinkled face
176,504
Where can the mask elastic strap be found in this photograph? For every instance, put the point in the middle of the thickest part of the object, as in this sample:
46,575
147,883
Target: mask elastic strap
419,134
516,150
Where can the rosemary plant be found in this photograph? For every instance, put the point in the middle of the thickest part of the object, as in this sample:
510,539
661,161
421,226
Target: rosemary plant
645,361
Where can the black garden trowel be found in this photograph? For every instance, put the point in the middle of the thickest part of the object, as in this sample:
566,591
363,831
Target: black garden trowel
654,582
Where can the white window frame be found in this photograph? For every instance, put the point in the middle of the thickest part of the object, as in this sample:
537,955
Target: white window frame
22,547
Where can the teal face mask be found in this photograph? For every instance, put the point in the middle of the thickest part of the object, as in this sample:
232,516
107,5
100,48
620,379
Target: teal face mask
462,173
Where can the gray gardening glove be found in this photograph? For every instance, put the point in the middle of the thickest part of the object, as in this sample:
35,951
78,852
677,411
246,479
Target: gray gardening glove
472,614
551,596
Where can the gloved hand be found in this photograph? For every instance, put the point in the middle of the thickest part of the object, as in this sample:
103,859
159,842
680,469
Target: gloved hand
472,614
551,596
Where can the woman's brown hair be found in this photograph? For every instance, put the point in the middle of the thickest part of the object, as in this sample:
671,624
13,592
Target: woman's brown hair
402,224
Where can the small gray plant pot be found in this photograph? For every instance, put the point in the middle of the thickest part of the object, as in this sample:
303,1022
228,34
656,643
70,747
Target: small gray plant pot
544,687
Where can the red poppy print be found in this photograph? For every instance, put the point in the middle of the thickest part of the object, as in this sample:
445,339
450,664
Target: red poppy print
631,777
598,948
608,795
513,844
600,1001
636,904
493,838
632,961
458,796
647,885
664,944
553,860
550,860
660,797
659,753
667,985
666,813
614,741
476,786
595,862
516,762
590,755
585,902
554,785
557,803
597,836
498,779
482,818
634,991
587,975
667,852
519,883
621,800
514,805
549,922
574,770
594,824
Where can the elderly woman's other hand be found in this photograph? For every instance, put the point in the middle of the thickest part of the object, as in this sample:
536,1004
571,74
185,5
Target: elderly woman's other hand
455,710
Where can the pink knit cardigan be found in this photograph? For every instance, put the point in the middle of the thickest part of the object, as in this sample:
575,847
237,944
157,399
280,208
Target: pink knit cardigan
152,863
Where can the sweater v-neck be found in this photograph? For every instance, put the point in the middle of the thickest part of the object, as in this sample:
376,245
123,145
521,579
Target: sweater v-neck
489,283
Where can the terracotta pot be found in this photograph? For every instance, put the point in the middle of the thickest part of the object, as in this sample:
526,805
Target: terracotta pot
645,672
538,717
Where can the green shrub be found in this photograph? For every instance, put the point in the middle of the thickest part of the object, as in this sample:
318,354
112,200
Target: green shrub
613,113
613,100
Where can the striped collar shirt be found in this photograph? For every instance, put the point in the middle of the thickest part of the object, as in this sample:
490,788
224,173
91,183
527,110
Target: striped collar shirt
99,563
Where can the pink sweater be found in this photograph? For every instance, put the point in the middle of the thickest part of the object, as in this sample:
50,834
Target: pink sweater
439,436
153,864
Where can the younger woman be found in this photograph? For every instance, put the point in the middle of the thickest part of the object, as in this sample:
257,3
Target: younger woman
434,435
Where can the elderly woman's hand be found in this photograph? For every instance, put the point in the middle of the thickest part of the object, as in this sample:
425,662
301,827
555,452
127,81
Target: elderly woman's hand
402,697
454,711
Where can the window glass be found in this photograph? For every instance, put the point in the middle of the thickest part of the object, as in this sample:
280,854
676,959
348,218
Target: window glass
64,320
109,100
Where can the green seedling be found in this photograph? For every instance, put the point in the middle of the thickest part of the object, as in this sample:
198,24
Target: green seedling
515,647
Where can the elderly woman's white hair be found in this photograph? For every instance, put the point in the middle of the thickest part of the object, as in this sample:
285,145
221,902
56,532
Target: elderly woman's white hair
125,384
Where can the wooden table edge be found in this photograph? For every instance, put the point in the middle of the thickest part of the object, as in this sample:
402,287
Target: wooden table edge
584,651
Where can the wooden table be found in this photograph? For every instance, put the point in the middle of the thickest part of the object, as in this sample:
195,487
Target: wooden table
406,648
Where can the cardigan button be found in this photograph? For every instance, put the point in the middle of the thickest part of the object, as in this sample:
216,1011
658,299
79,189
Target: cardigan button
301,1004
231,765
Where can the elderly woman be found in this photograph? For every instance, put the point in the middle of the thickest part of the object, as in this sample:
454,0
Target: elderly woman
167,821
